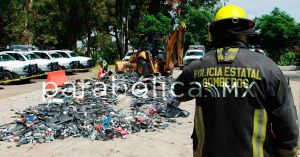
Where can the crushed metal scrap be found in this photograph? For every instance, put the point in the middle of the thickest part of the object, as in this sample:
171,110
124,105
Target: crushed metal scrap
97,118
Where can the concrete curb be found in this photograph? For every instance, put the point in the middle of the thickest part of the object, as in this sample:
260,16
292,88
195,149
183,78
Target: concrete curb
289,68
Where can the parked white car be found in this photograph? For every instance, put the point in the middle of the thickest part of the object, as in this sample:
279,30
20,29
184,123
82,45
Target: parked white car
44,65
85,62
192,55
12,68
67,64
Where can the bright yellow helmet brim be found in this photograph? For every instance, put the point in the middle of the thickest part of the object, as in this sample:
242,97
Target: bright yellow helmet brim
233,13
230,12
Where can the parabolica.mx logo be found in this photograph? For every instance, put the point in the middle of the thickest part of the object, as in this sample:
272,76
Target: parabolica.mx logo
209,90
140,89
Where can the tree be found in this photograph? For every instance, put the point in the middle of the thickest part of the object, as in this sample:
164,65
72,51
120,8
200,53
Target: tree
27,35
197,20
148,26
159,24
13,27
94,13
199,3
275,30
3,22
47,24
60,24
123,22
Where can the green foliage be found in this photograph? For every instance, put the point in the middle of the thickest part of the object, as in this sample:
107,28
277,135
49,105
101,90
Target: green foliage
195,18
197,3
151,24
99,42
275,29
148,26
277,26
197,21
46,26
109,54
135,40
124,16
61,23
288,58
14,21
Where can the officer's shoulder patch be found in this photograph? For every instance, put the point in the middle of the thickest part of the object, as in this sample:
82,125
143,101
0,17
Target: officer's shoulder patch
226,55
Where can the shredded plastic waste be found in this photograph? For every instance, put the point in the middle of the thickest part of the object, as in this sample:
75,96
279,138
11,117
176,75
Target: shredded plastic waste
98,117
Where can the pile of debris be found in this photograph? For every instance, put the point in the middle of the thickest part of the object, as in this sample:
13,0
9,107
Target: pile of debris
98,117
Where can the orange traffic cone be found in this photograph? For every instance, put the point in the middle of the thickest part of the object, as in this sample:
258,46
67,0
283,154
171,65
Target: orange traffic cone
57,77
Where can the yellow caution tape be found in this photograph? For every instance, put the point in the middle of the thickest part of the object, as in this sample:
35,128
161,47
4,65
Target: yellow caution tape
20,79
35,76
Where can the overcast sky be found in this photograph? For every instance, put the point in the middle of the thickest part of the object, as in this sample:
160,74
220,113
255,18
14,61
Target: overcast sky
260,7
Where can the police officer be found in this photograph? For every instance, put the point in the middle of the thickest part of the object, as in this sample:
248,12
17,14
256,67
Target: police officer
244,106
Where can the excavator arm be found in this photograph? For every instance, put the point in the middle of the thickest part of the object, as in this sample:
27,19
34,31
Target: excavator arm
176,38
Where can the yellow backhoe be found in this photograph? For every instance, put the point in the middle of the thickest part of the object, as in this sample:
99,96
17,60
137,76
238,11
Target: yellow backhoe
160,60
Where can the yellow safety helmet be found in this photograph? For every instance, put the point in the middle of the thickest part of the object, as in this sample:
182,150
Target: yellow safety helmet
234,15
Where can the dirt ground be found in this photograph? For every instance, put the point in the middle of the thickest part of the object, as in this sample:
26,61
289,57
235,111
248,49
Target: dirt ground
174,141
